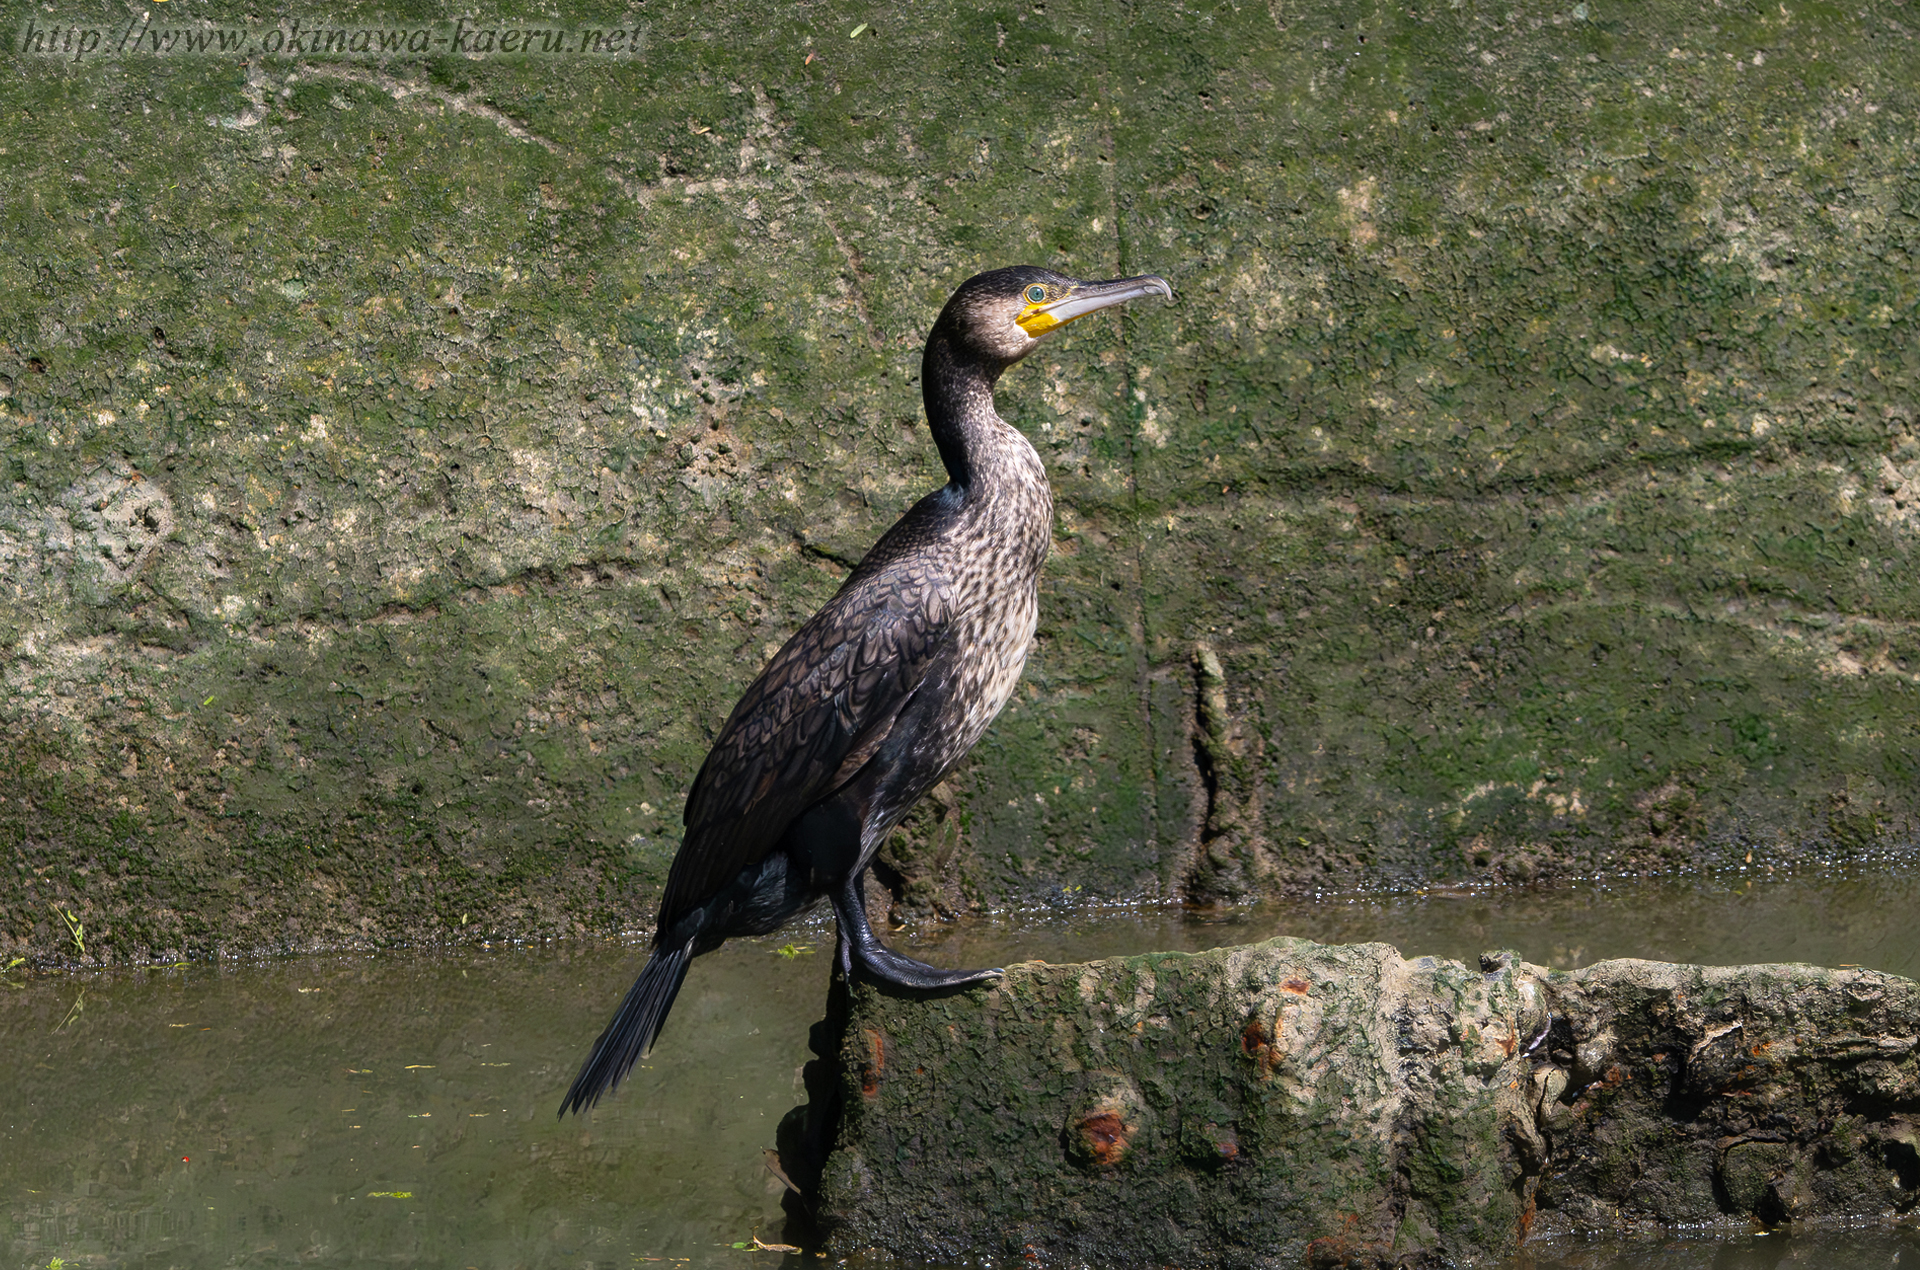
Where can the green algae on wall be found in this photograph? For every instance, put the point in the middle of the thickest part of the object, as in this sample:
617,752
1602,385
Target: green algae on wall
408,460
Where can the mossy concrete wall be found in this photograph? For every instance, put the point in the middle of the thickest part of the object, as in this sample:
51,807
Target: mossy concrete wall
407,461
1289,1104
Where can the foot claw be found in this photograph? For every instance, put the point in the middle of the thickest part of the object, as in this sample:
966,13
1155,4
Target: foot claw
888,966
860,947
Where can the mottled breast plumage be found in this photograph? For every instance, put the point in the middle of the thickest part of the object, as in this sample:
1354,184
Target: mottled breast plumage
951,592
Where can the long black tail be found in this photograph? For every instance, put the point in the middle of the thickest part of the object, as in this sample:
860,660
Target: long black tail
634,1027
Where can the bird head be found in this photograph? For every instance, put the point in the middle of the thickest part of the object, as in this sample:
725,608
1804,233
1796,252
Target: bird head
1002,315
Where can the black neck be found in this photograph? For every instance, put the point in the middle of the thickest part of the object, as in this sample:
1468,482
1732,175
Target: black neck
958,388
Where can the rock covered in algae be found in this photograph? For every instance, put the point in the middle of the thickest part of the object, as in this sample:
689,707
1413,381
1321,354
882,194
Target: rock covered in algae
1290,1103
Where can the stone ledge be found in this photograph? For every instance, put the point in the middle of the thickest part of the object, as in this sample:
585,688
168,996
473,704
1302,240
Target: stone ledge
1291,1103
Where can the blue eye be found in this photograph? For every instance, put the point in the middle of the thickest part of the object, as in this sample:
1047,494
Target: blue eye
1036,293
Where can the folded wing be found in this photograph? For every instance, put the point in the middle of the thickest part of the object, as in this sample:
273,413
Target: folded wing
816,714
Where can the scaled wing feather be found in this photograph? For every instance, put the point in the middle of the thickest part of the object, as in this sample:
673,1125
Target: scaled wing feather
828,698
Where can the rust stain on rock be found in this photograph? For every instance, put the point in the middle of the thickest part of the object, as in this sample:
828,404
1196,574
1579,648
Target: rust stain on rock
875,1066
1350,1251
1105,1136
1257,1043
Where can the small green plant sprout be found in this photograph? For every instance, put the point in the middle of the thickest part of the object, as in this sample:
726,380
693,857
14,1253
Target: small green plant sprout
75,930
790,951
58,1263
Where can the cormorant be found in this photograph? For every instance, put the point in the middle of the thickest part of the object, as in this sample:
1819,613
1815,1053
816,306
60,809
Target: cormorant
883,690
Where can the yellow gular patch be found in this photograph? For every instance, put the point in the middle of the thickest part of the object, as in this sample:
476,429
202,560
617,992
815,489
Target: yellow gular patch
1037,322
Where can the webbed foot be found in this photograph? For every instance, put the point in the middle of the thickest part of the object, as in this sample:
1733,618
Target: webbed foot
860,947
882,963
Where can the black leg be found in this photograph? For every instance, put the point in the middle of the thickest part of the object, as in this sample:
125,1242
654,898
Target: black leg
860,946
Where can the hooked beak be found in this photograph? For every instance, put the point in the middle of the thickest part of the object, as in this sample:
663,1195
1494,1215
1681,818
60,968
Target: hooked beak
1088,297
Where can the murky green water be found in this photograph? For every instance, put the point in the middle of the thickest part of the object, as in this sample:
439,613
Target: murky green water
399,1110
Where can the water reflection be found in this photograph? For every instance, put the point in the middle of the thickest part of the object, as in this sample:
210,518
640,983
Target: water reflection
1828,919
399,1109
390,1110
